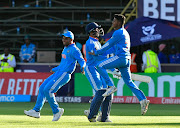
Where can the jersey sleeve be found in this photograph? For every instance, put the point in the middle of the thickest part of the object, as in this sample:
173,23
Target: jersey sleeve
111,50
91,47
110,43
78,56
55,69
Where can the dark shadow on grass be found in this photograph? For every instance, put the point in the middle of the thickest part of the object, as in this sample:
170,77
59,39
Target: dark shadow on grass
68,114
133,124
76,109
17,122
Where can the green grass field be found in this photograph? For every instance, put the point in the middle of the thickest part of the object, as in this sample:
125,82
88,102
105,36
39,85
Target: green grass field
122,115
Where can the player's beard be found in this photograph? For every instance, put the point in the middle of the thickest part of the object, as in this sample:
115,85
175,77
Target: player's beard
66,44
95,34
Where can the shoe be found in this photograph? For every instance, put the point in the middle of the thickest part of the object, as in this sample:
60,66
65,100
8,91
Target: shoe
109,91
144,106
99,119
57,116
92,119
32,113
107,120
86,112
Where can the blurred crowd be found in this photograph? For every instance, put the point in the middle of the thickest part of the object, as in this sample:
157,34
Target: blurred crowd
173,57
151,61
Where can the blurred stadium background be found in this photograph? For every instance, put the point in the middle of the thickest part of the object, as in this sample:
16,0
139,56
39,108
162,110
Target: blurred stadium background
45,20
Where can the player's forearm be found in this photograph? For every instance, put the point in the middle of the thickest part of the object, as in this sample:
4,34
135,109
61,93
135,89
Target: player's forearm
82,63
103,49
55,69
106,46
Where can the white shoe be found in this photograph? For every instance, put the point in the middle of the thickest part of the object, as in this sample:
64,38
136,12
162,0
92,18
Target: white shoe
86,112
57,116
109,91
144,106
99,119
32,113
107,120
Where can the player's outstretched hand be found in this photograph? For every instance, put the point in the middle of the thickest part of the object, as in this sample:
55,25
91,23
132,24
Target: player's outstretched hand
51,71
82,71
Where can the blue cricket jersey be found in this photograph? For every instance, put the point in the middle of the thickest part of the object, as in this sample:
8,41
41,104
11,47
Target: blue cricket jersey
92,44
120,40
70,55
28,53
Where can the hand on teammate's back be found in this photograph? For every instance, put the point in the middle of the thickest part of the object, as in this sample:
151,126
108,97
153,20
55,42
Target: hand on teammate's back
91,53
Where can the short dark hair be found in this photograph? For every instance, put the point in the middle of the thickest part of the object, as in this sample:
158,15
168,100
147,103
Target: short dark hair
121,18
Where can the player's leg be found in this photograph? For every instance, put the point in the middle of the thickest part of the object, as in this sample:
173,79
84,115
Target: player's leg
106,108
41,97
53,86
93,77
95,105
35,112
95,80
126,75
110,63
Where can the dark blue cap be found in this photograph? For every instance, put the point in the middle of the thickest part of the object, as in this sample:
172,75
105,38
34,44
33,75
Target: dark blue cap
92,26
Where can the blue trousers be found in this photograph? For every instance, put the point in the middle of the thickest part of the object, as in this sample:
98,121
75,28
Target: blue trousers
123,65
97,82
47,89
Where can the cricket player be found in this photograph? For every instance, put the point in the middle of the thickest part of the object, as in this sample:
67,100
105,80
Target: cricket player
61,75
121,60
96,81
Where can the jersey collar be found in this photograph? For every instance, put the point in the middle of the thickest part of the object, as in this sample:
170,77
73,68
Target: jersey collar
93,38
70,44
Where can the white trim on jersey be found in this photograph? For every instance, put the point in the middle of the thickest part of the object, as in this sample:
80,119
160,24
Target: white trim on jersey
108,61
57,81
91,78
105,45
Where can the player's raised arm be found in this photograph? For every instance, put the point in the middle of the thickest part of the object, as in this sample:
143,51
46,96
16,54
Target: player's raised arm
110,43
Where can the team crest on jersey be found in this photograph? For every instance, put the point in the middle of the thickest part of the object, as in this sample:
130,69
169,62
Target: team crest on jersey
64,56
68,51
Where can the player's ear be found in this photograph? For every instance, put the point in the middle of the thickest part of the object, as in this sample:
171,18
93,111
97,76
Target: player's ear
119,23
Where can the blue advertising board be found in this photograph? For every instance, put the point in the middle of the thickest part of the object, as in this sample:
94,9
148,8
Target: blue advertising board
15,98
